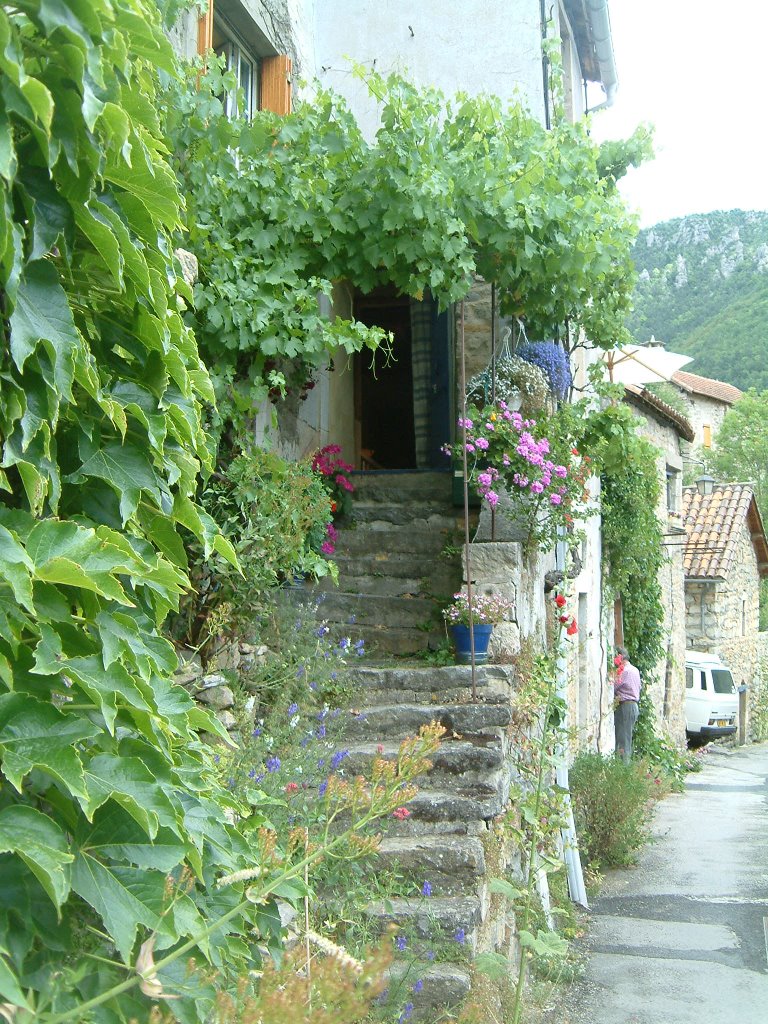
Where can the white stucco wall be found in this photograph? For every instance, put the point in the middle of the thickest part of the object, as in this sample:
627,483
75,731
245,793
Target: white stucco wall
478,46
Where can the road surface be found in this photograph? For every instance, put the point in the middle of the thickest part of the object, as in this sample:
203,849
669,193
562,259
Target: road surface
682,938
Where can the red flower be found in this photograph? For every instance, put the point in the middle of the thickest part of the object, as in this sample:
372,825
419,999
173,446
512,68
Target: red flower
292,787
563,619
379,748
401,813
574,451
559,600
573,628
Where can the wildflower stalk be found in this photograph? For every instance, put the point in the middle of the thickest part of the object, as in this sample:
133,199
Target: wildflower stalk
541,764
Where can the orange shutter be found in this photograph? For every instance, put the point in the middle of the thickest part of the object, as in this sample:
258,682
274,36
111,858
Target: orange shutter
707,431
276,84
205,31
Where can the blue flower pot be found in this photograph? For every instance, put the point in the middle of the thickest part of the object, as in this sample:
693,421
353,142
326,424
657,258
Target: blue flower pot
463,647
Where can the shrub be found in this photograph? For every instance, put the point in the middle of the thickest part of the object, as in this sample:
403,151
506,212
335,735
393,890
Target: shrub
611,806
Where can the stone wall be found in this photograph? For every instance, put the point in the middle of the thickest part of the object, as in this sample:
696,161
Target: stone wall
701,410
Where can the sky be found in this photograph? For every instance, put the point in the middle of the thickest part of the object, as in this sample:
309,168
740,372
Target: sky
698,71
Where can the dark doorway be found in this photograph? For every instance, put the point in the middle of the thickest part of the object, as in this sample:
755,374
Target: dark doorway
395,428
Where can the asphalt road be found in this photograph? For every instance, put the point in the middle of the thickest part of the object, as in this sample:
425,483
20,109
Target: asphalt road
683,937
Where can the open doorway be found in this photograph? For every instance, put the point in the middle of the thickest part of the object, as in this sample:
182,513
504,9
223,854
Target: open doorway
403,407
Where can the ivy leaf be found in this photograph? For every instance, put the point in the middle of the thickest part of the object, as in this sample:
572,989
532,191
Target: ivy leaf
37,735
41,844
42,314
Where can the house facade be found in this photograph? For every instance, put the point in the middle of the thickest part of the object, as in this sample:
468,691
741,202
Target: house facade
706,401
666,428
726,556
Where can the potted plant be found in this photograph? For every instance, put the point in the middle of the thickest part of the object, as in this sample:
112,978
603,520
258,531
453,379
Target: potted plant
487,610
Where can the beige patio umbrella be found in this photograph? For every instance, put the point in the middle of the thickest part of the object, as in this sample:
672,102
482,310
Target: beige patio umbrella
643,364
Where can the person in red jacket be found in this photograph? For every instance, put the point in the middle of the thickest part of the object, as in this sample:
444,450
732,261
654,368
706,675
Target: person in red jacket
626,685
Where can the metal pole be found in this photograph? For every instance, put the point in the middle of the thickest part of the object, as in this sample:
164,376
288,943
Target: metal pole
463,385
493,381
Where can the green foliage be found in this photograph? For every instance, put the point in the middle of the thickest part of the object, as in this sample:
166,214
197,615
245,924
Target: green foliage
715,309
112,824
618,155
740,451
281,207
275,514
611,807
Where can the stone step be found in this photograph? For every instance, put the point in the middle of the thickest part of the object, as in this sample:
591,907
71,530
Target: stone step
441,583
378,610
456,805
399,642
492,681
425,541
377,563
432,919
384,721
398,487
443,985
381,515
450,864
453,760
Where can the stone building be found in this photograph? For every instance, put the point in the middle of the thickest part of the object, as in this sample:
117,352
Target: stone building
665,428
726,556
707,401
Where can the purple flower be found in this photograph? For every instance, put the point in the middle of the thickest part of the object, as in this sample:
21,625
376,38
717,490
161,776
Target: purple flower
360,647
257,731
320,732
418,986
406,1014
322,788
344,643
273,764
313,686
337,758
482,444
293,708
460,936
252,773
216,758
430,954
321,631
426,889
555,499
400,943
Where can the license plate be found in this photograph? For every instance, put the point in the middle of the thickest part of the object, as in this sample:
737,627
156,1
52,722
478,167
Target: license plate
723,722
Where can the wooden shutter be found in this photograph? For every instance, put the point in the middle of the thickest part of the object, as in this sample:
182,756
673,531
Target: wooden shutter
275,93
205,31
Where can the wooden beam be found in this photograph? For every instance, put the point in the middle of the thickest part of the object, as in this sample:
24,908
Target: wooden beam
276,84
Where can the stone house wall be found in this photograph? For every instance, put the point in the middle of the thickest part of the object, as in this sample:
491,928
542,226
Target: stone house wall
723,616
702,410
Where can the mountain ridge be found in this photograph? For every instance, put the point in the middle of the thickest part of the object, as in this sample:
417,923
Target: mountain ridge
702,290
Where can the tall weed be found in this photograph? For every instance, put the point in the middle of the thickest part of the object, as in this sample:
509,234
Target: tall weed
612,807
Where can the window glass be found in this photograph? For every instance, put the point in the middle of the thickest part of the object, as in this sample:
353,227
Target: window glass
722,680
245,66
703,680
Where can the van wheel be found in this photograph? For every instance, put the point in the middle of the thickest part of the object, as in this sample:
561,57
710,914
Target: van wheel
695,740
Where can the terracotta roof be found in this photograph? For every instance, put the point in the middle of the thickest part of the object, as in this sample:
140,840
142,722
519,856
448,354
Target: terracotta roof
712,522
718,389
662,410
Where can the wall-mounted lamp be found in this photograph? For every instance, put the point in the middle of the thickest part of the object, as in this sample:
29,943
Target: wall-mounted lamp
705,484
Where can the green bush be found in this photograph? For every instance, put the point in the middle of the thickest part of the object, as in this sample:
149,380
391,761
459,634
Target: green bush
611,806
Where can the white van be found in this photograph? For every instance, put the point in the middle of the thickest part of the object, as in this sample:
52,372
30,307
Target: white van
711,701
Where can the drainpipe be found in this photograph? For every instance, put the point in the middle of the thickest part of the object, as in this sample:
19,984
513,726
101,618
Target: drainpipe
600,24
576,887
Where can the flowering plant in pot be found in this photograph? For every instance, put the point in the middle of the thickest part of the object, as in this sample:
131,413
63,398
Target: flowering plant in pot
475,629
530,469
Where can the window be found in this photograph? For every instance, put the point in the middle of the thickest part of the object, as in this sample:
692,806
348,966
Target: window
673,478
244,65
703,680
689,679
707,435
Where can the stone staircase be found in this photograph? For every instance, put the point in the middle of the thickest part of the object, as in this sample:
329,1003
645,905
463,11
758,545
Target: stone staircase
399,562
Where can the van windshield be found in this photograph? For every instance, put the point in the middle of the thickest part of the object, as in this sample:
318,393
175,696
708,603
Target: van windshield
722,680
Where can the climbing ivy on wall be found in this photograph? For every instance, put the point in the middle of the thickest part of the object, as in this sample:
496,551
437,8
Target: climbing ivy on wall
281,208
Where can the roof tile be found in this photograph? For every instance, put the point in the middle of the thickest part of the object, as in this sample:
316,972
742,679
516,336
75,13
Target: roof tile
712,522
706,386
